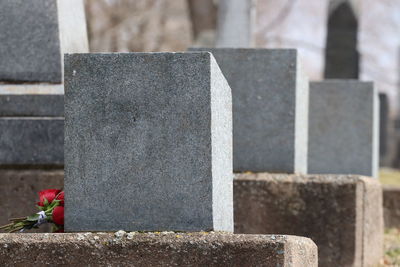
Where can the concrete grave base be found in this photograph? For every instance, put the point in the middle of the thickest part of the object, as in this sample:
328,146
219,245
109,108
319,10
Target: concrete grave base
341,214
391,206
156,249
19,190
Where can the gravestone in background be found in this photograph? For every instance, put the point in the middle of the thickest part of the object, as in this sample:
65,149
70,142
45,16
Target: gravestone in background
383,127
341,54
270,107
148,143
236,19
343,128
31,130
34,36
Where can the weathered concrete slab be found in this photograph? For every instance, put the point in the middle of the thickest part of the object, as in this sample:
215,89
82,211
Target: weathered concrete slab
391,206
270,108
157,249
34,36
148,140
19,190
343,128
31,105
31,141
342,214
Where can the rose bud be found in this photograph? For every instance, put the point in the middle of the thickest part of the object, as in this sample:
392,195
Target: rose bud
49,194
58,215
61,197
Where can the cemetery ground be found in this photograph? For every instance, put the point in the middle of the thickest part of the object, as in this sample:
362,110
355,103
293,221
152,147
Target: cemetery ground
391,177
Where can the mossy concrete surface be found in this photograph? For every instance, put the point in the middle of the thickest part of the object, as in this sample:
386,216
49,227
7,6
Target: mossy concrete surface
156,249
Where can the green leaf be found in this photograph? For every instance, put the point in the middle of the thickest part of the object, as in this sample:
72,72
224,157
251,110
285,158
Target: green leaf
55,203
33,218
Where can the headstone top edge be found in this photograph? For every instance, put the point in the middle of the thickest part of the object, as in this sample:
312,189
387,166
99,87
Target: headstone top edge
136,53
343,81
244,49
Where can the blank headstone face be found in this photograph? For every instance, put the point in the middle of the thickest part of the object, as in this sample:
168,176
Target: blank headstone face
148,143
270,100
343,128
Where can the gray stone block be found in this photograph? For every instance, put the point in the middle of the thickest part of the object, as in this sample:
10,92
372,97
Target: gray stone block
31,141
343,128
270,108
31,105
148,142
34,35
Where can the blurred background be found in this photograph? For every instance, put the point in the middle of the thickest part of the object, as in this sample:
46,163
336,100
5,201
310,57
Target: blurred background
335,38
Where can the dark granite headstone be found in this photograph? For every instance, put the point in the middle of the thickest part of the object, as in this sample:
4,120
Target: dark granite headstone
341,54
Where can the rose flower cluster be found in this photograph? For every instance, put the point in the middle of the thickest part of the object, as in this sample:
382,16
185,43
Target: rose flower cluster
51,206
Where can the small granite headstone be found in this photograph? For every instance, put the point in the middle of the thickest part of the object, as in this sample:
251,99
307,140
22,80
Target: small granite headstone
148,143
343,128
270,108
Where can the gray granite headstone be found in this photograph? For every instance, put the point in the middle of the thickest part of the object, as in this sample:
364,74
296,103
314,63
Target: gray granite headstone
343,128
148,143
33,36
31,130
270,108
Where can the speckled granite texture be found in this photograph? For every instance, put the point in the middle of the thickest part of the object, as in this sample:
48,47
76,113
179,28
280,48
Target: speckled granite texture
148,143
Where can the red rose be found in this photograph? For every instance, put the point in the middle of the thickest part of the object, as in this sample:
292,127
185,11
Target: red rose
61,197
48,194
58,215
